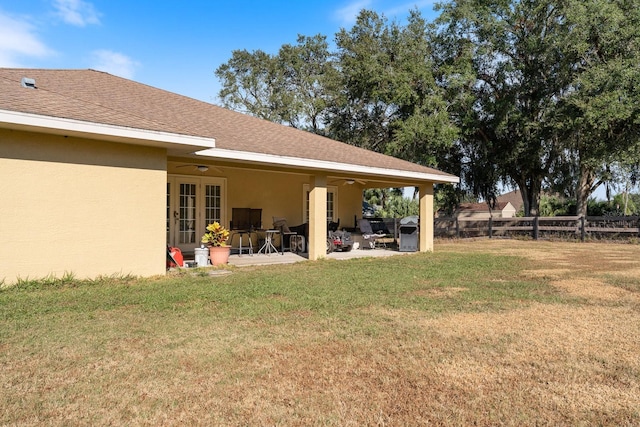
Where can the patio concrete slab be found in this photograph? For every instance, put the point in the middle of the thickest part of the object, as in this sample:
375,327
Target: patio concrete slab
290,257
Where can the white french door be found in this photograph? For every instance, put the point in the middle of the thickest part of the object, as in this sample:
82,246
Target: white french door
192,203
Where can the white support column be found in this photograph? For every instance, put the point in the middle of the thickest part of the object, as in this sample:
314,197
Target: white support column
426,217
318,217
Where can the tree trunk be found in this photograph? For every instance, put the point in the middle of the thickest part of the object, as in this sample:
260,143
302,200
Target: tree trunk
530,191
583,191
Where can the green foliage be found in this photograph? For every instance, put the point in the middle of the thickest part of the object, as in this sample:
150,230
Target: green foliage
291,87
514,74
399,207
390,203
553,90
560,206
554,206
391,91
624,204
376,91
598,114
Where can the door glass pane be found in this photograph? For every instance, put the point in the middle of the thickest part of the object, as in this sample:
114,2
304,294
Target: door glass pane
329,206
213,203
187,223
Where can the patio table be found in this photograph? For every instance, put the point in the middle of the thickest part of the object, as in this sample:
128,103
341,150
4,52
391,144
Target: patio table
268,248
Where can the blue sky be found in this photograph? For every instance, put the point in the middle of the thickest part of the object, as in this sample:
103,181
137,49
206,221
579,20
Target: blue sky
173,45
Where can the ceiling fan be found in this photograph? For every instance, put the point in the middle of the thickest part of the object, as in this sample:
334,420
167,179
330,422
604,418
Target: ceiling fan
201,168
349,181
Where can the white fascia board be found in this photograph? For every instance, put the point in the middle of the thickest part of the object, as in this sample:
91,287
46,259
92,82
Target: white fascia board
72,127
324,165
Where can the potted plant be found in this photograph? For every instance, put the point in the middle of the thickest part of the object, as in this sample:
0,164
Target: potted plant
216,239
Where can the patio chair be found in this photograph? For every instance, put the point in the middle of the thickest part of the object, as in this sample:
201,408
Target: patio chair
244,222
369,235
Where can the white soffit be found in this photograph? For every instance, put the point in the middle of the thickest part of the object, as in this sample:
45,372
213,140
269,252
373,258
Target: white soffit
324,165
71,127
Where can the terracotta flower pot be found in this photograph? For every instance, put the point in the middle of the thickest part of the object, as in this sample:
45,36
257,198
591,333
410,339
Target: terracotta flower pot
219,255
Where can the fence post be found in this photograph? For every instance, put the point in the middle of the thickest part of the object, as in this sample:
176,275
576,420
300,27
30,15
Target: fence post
535,227
457,228
490,227
583,231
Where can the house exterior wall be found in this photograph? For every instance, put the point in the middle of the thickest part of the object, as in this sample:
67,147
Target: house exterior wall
476,215
79,206
277,194
349,204
509,211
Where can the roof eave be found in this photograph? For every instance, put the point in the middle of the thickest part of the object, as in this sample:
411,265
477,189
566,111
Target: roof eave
327,166
122,134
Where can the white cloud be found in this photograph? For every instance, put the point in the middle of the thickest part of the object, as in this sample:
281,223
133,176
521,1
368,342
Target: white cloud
114,63
347,15
76,12
18,39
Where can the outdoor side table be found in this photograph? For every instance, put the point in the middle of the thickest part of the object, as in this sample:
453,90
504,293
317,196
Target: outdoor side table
268,248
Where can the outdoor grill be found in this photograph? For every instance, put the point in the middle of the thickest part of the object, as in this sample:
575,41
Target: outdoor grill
408,234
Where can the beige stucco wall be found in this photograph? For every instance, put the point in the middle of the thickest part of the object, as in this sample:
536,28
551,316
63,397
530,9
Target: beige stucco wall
77,206
277,194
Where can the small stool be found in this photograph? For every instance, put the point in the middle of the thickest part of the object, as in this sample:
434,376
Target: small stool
242,233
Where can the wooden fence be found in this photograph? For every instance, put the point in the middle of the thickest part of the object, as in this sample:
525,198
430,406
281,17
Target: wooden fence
593,227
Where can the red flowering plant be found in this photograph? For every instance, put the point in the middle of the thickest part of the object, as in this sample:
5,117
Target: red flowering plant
216,235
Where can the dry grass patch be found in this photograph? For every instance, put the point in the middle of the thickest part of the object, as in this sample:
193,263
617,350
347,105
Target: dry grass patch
437,292
591,288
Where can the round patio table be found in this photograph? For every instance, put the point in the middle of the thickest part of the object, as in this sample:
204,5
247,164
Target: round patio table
268,248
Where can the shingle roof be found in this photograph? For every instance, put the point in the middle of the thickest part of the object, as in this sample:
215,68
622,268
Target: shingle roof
481,207
99,97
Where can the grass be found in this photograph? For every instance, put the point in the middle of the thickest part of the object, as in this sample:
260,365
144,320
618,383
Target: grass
484,332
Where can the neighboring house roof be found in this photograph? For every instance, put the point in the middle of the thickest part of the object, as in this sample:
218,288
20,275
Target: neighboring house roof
88,96
481,207
513,197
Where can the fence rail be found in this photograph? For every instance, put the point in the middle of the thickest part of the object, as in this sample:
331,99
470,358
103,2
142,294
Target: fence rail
536,227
